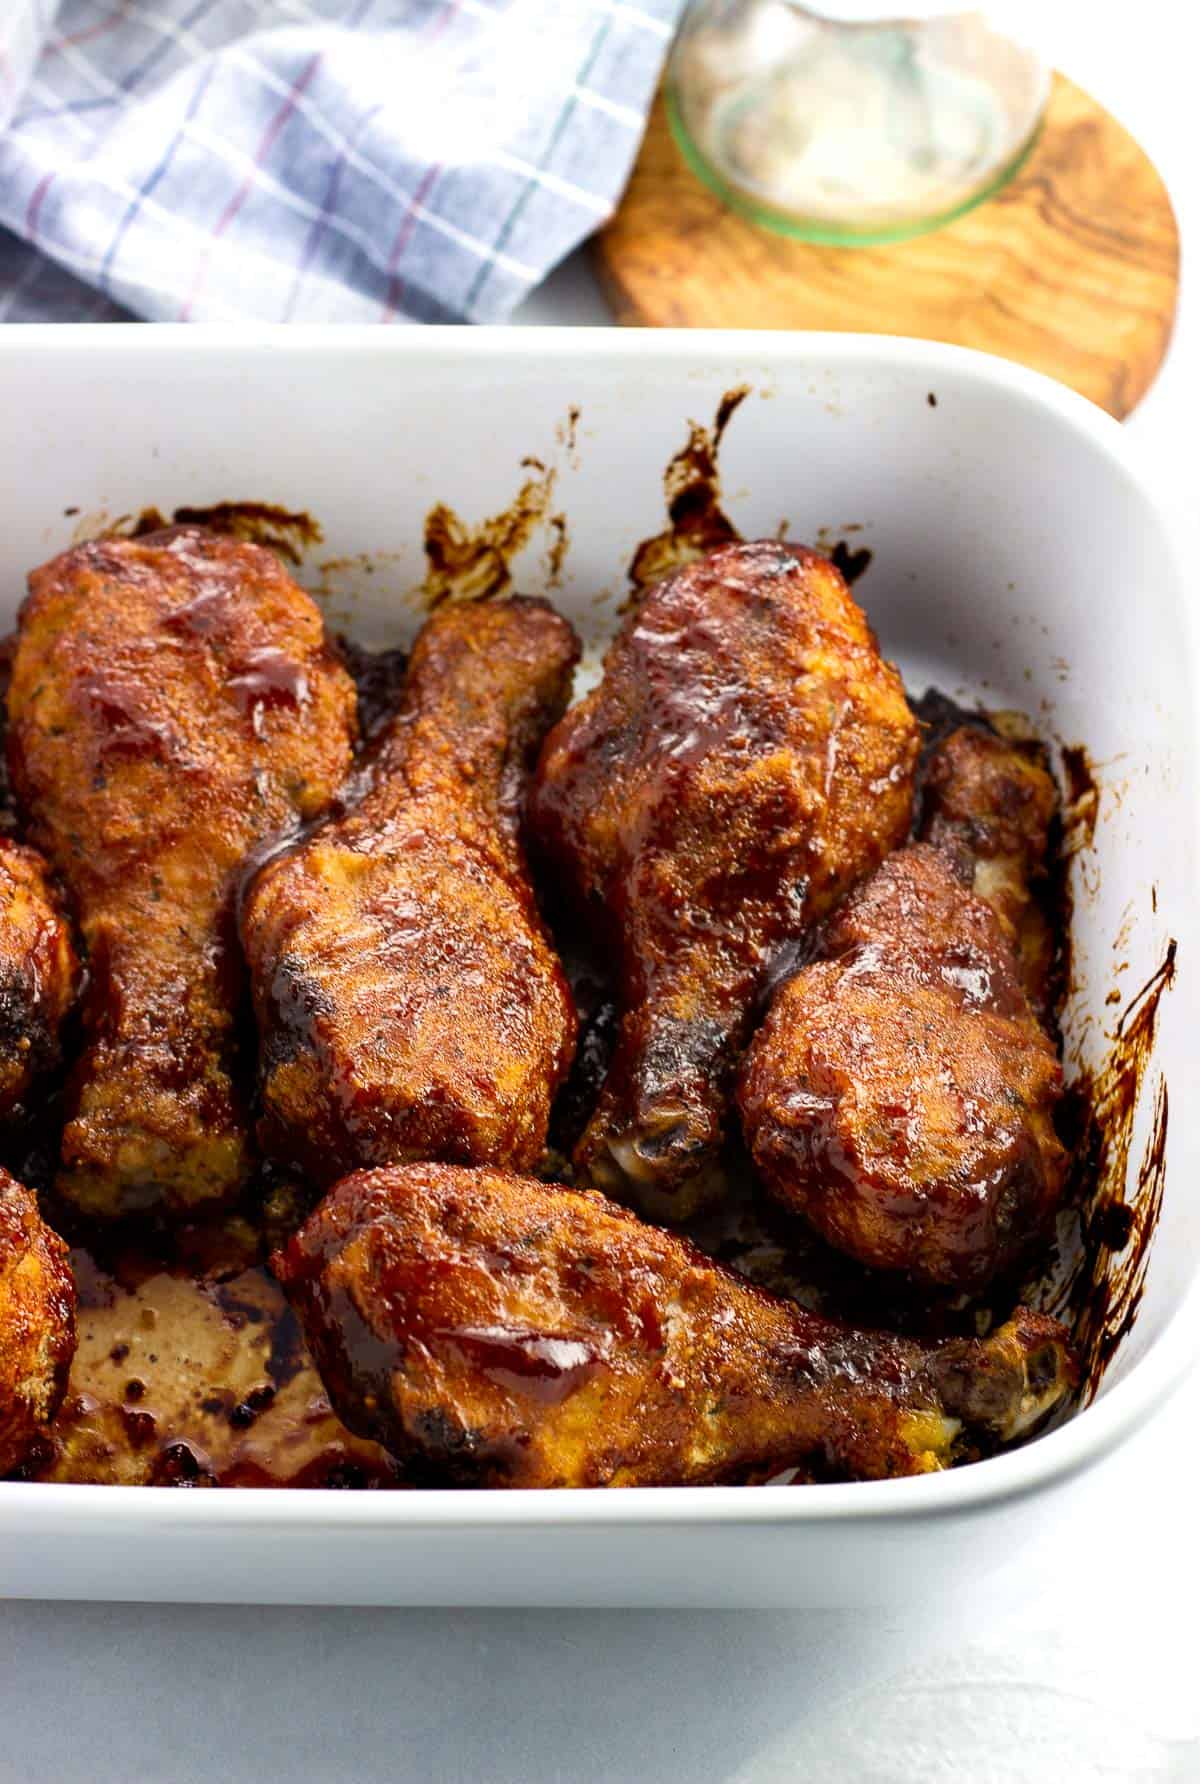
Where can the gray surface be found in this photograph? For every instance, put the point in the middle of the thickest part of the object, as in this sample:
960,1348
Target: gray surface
158,1692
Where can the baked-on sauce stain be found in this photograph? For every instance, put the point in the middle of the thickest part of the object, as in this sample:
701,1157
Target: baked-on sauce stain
1103,1291
697,523
852,564
474,563
288,532
692,485
1081,806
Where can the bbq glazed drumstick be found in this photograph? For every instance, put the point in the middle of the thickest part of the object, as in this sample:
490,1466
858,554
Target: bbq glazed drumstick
39,973
494,1331
901,1092
408,1000
174,704
746,758
990,802
37,1322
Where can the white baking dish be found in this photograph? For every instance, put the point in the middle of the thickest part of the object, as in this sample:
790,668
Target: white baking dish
1018,556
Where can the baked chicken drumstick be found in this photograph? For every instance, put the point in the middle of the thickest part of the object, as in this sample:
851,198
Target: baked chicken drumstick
173,704
746,758
901,1091
408,1000
494,1331
990,802
39,973
37,1322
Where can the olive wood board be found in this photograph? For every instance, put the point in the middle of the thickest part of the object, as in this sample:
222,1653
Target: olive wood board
1071,268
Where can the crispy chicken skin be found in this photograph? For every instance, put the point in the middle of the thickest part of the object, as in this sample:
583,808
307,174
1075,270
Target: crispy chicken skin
37,1322
39,972
991,802
746,758
174,703
408,1000
901,1092
494,1331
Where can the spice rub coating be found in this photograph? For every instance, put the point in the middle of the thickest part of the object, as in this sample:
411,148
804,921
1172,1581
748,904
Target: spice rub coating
39,972
490,1330
37,1322
174,704
991,801
747,756
901,1091
409,1003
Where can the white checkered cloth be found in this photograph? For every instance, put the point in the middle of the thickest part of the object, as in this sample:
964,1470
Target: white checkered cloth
310,160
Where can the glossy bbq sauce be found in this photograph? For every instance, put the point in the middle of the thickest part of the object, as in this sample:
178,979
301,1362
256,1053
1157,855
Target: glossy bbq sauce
122,727
540,1367
265,681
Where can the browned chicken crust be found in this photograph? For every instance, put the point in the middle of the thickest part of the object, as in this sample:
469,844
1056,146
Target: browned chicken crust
991,801
39,972
408,1000
37,1322
494,1331
747,756
901,1092
174,704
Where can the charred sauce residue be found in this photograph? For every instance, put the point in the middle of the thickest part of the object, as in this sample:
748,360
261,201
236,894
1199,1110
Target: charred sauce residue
692,484
697,523
474,563
1082,804
1096,1285
851,563
288,532
378,677
1101,1296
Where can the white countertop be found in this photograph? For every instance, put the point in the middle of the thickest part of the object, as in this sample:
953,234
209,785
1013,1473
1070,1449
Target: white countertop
1089,1674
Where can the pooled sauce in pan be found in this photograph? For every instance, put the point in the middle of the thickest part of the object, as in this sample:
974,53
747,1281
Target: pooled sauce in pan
378,676
195,1374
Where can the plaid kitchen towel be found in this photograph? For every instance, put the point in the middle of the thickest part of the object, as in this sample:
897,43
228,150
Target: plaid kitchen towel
310,160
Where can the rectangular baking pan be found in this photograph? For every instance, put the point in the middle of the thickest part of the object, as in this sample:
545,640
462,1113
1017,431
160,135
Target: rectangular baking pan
1018,556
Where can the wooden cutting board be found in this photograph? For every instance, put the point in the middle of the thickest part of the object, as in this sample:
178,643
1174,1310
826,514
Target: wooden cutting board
1072,268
